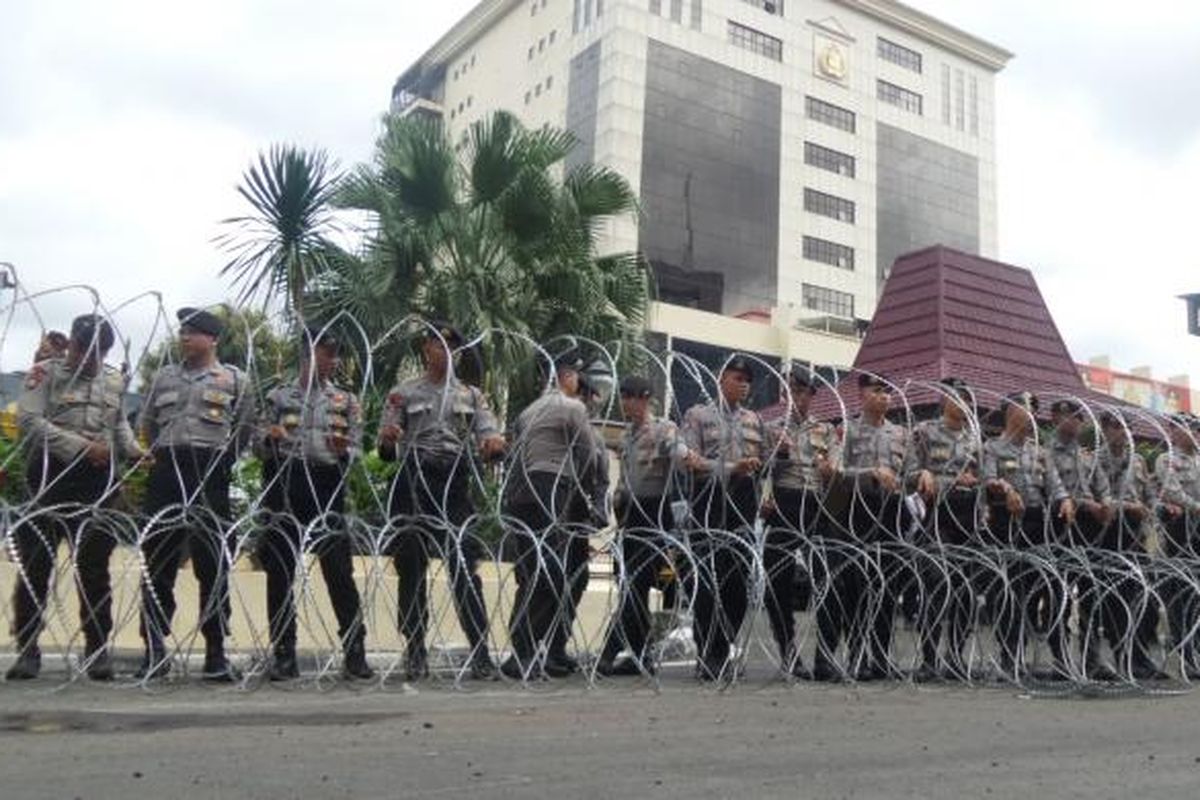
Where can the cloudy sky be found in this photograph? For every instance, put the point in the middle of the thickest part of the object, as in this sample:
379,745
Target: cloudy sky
125,125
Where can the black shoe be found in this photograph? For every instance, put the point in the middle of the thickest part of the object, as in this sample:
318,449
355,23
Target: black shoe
1099,671
625,668
800,672
926,673
283,667
1053,674
217,668
1146,670
354,662
511,668
416,662
712,669
481,667
26,667
870,673
155,664
99,664
555,667
825,672
561,659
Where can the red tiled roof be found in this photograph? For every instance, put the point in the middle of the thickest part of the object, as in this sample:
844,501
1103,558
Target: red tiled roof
948,314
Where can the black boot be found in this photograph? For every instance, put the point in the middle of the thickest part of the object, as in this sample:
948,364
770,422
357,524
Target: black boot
99,662
217,668
283,665
155,663
416,661
354,662
27,666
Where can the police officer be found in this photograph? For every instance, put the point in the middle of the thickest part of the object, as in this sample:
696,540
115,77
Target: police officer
434,424
309,434
549,491
947,455
1129,613
652,453
75,435
1025,497
806,451
1178,475
198,415
729,442
1087,485
876,459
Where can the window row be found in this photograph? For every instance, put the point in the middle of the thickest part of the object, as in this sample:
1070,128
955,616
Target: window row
463,105
462,68
828,205
541,45
535,5
536,91
899,54
827,252
829,114
755,41
827,301
828,159
956,102
899,96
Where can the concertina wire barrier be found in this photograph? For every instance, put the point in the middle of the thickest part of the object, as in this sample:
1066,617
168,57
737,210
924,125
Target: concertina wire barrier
960,593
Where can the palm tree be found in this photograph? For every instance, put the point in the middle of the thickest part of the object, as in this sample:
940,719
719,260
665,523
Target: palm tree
285,242
493,240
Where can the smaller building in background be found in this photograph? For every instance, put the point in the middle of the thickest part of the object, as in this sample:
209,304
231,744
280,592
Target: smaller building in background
1139,387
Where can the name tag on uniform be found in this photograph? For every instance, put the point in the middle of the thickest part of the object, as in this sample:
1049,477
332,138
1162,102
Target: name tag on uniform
338,422
420,408
215,398
166,399
290,420
1008,465
941,453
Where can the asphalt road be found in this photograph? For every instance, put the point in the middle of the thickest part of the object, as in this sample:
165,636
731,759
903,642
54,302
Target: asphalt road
623,740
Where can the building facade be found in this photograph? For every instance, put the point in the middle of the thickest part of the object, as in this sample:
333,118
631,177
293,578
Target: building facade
785,152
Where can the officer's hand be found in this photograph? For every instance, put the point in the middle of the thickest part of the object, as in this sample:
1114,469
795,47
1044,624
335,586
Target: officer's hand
276,432
1067,511
1135,511
97,453
1173,510
1105,513
1014,503
389,435
767,508
926,484
824,466
492,447
693,461
747,466
887,479
967,480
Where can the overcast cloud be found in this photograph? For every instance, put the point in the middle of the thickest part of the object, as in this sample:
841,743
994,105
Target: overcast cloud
125,125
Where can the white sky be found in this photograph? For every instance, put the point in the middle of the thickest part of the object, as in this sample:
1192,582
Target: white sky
124,126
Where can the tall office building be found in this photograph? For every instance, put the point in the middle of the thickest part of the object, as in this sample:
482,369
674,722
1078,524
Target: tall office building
785,151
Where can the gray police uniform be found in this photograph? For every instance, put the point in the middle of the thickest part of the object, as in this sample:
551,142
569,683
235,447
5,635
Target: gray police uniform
1083,480
442,425
305,476
1178,475
197,420
948,455
59,413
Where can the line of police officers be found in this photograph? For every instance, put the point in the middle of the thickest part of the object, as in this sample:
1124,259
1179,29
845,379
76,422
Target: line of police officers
880,514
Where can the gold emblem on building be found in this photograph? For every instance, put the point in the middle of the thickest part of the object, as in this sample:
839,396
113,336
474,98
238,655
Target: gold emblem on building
831,61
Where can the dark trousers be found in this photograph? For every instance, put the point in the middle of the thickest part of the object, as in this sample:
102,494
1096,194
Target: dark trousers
429,504
640,555
797,518
1178,592
192,486
1121,604
872,585
297,495
722,566
1030,586
947,582
551,563
64,507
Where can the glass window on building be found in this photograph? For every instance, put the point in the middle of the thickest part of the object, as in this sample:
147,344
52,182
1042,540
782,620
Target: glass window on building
827,301
828,205
697,14
828,159
755,41
900,97
827,252
960,115
946,94
974,106
829,114
899,55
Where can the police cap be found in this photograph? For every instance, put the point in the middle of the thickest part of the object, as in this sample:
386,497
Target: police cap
442,331
739,364
635,386
1066,407
869,380
200,321
89,328
1026,400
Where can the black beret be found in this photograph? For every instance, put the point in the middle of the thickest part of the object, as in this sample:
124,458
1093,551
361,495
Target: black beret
801,377
635,386
1065,406
1110,419
870,379
89,328
739,364
200,320
1027,400
323,337
569,359
441,330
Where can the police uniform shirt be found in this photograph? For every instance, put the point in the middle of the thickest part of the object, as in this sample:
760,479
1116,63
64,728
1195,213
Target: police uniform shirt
808,440
206,408
63,411
1081,477
438,419
867,447
310,415
650,452
723,436
1024,466
1178,476
553,435
948,454
1128,477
